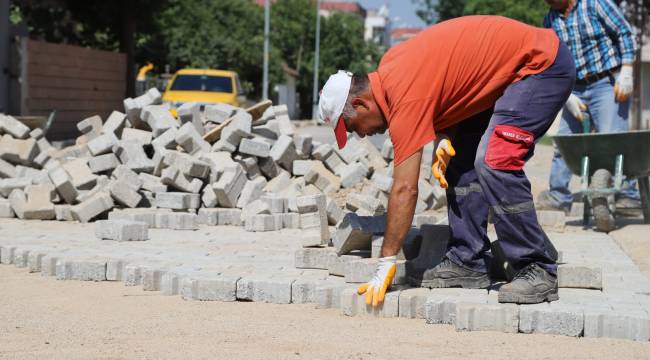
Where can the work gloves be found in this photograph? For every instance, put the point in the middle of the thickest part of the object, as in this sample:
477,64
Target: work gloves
375,289
444,153
575,106
624,83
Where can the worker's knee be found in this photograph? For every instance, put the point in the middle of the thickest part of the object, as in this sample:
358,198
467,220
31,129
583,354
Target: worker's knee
507,149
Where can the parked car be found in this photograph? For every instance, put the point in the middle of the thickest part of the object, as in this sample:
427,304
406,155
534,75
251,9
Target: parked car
204,86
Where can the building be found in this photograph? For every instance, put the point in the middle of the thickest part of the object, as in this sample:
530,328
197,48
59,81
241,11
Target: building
401,34
377,26
328,6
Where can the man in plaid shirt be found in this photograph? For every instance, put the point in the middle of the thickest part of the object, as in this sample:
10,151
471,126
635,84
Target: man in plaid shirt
603,48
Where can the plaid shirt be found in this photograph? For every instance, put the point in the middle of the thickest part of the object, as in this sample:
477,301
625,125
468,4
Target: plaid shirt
598,35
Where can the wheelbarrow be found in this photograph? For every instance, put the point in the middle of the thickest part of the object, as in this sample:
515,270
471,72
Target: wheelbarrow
606,160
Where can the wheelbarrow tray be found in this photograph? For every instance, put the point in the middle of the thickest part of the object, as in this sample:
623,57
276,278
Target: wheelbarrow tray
602,150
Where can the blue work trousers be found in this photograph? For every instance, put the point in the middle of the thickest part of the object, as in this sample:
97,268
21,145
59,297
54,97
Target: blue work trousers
487,171
606,116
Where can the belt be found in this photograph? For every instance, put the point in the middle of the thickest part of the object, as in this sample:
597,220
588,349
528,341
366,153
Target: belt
592,78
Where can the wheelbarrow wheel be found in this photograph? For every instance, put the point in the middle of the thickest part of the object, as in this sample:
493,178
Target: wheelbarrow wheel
603,216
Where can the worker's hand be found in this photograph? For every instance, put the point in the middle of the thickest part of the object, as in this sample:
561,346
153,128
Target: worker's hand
575,106
375,289
444,152
624,83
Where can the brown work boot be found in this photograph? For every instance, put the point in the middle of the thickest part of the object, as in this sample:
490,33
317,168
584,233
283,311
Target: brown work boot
531,285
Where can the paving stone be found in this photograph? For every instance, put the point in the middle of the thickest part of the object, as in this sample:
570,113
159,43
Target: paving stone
312,258
81,270
130,177
121,230
91,208
411,302
152,278
614,324
177,200
137,136
440,307
277,204
432,249
18,151
18,201
133,156
303,289
21,257
484,317
91,127
5,209
34,261
133,274
171,282
166,140
208,197
552,220
251,191
9,185
262,222
7,170
48,264
13,127
7,254
115,269
219,113
334,212
290,221
191,141
63,184
273,289
215,288
114,124
353,174
327,293
580,276
102,144
190,112
367,203
353,304
255,147
177,221
555,320
230,186
354,233
103,163
301,167
123,194
39,205
158,118
174,177
283,152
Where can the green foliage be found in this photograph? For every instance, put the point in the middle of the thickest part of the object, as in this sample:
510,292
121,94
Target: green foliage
528,11
224,34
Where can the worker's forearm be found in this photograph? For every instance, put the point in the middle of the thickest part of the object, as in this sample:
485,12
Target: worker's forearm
401,207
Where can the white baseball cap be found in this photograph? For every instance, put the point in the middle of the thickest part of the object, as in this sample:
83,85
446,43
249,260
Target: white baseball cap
331,103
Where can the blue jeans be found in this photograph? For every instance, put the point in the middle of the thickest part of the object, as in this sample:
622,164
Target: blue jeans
487,171
606,116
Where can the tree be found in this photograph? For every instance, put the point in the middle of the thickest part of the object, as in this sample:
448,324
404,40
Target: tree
528,11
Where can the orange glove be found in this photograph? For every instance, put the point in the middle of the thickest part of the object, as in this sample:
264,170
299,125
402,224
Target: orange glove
375,289
444,153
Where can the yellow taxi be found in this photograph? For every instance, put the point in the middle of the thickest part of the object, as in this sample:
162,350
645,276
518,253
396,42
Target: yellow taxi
204,86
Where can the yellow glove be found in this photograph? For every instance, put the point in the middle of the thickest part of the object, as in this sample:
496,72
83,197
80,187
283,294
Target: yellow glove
375,289
444,153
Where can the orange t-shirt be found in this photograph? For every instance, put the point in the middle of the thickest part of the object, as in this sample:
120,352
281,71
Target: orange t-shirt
454,70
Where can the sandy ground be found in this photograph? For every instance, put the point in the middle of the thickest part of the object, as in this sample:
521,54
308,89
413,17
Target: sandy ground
41,318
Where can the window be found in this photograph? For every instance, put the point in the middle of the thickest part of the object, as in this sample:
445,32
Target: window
202,83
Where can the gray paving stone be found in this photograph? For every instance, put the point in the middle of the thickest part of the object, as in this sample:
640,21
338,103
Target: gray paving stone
91,208
440,307
82,270
362,270
275,289
484,317
633,325
313,258
580,276
353,304
121,230
411,302
177,200
549,319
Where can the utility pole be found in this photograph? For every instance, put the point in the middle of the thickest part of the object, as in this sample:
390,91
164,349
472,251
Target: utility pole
4,56
314,111
639,21
267,25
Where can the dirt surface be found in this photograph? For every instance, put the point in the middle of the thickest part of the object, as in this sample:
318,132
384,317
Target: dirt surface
42,318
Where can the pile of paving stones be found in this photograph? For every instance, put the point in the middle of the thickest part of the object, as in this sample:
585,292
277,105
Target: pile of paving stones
155,168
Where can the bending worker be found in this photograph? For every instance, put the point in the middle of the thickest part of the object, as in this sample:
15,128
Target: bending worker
485,88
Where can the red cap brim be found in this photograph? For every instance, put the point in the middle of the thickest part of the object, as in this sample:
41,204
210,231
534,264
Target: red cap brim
341,133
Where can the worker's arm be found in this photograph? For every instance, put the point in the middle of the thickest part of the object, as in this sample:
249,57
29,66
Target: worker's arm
401,203
401,206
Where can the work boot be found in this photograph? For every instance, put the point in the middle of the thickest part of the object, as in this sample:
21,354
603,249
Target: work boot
449,274
546,202
531,285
